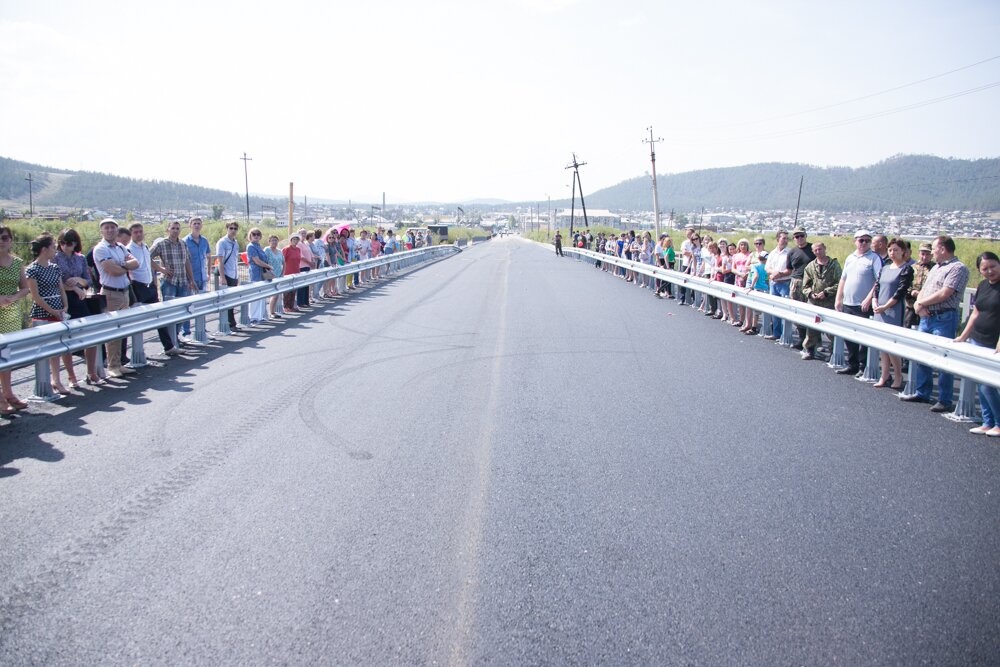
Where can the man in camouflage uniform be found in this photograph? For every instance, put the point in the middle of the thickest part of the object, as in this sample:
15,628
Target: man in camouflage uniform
819,284
920,270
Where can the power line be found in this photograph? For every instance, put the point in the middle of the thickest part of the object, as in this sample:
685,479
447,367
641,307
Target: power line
850,101
846,121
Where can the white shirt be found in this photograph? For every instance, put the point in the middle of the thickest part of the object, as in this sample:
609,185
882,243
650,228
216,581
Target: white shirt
144,274
778,261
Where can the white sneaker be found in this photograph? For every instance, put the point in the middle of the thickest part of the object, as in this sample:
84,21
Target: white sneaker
172,352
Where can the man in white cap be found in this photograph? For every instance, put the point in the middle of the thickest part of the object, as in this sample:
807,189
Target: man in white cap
861,269
113,263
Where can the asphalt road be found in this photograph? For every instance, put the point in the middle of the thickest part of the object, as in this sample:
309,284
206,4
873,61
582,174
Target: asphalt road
500,458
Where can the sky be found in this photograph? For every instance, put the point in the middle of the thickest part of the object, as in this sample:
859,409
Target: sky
440,100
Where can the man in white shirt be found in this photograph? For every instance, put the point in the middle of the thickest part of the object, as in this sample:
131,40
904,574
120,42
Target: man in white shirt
780,278
143,285
113,262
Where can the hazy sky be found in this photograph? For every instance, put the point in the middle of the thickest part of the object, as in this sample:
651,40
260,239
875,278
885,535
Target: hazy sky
442,100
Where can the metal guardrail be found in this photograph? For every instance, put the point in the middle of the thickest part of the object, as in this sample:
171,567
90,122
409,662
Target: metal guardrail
29,346
975,363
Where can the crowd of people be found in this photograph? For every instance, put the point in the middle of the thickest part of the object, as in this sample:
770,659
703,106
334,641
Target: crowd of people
121,270
879,280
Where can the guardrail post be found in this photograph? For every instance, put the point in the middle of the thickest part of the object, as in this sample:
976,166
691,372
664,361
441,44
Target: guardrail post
787,334
872,370
837,353
244,314
965,406
767,324
224,312
138,356
43,383
200,330
908,389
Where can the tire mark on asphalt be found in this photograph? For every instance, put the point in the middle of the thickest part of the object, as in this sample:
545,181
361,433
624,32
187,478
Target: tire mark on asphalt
33,593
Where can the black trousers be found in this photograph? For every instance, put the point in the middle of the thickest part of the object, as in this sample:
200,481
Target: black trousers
146,294
857,354
232,282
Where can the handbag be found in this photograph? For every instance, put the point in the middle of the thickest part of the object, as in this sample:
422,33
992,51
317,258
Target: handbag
96,303
267,274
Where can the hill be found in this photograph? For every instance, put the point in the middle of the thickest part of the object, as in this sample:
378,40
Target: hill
85,190
906,183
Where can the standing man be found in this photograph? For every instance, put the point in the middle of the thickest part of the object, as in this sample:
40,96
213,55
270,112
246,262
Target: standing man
228,251
861,269
779,275
559,244
199,251
113,263
798,258
880,246
937,305
175,265
921,268
143,281
819,285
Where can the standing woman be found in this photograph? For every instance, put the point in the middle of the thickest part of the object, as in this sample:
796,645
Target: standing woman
48,294
306,264
983,330
76,280
331,250
728,277
293,257
375,252
256,262
277,262
741,269
13,288
646,257
888,297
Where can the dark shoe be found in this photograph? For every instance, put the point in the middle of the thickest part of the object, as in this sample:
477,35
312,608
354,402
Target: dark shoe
860,374
797,346
770,337
847,371
943,407
914,398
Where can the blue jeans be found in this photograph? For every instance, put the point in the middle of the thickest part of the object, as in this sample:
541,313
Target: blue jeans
777,324
186,325
989,400
171,291
943,324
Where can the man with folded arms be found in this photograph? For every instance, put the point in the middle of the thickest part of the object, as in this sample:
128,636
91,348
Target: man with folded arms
175,265
937,305
113,263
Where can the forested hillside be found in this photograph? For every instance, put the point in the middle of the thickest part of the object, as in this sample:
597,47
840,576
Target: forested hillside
84,189
903,183
914,183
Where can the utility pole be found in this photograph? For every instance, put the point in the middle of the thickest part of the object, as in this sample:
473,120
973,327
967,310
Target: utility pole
576,180
652,158
31,202
548,224
796,223
246,180
291,207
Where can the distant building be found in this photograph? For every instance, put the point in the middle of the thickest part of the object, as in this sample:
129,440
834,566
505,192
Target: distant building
595,217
